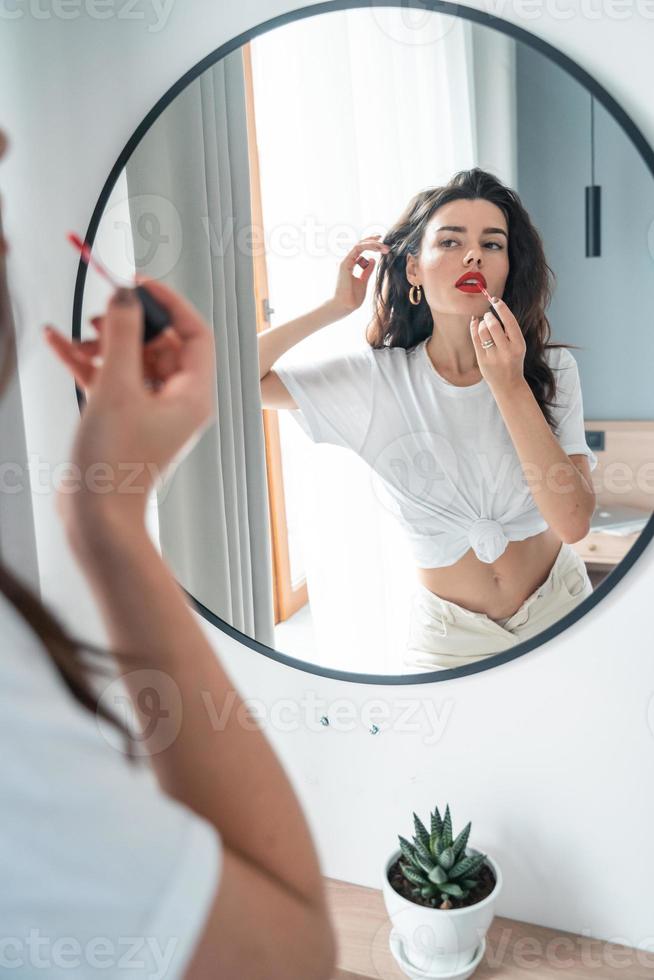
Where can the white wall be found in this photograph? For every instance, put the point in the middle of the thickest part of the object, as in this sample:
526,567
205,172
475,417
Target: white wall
554,774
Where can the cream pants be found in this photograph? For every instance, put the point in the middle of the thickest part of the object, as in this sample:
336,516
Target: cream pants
443,634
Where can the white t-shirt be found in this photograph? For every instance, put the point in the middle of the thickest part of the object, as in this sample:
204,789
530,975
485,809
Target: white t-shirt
441,456
102,874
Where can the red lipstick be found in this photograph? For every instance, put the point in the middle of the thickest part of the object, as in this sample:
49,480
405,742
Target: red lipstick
475,276
155,317
88,258
479,287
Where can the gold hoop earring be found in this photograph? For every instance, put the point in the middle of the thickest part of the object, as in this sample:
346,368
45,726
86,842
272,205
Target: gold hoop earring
415,302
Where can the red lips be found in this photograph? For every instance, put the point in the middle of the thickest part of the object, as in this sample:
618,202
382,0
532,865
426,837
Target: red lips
471,275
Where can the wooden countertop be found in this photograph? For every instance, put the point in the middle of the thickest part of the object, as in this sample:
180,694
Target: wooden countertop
514,950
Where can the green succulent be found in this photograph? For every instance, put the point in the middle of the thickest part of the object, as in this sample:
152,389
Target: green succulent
436,865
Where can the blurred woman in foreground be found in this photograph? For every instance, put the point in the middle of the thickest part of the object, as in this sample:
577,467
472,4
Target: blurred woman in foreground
192,858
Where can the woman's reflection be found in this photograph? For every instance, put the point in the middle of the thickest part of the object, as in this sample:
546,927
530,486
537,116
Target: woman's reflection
471,421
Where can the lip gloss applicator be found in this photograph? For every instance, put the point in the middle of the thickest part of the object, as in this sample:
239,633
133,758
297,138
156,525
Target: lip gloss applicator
486,294
155,317
488,297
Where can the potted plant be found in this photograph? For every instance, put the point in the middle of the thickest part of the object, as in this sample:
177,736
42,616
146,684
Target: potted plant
440,896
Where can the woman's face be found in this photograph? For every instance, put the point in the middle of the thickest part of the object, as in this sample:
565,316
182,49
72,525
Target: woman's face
445,255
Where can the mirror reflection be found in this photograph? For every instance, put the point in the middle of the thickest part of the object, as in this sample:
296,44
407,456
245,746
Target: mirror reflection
432,440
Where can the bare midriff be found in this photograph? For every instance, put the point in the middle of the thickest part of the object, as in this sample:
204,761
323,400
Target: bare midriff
498,588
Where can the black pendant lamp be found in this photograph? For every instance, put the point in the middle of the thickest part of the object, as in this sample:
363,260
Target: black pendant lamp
593,198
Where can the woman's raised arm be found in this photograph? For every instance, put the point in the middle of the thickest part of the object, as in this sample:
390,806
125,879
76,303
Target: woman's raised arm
349,294
269,918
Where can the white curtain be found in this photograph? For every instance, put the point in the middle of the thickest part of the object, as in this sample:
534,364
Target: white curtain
18,551
189,202
356,111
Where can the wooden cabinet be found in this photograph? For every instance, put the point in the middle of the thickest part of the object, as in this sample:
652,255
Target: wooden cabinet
598,548
624,475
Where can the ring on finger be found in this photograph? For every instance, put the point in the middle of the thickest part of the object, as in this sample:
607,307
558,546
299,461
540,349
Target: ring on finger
488,341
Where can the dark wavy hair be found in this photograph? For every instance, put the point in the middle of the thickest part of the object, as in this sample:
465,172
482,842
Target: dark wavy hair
65,651
528,291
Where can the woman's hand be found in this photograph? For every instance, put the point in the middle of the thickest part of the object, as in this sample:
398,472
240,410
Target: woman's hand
502,365
350,290
144,403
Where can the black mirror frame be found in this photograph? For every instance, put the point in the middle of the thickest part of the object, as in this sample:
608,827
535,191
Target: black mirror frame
631,131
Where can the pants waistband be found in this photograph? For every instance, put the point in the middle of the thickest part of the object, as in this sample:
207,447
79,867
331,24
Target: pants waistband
449,609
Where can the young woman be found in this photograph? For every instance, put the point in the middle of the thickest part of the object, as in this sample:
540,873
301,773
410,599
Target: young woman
471,421
192,858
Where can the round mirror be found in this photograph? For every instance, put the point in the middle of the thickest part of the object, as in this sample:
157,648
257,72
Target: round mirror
418,237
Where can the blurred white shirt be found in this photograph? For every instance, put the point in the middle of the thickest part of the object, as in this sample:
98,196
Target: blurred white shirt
101,872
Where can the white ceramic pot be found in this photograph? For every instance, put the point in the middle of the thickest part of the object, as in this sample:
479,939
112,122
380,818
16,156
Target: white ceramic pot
440,940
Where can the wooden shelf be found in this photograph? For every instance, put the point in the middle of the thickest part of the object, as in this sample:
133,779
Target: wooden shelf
599,548
514,950
621,477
